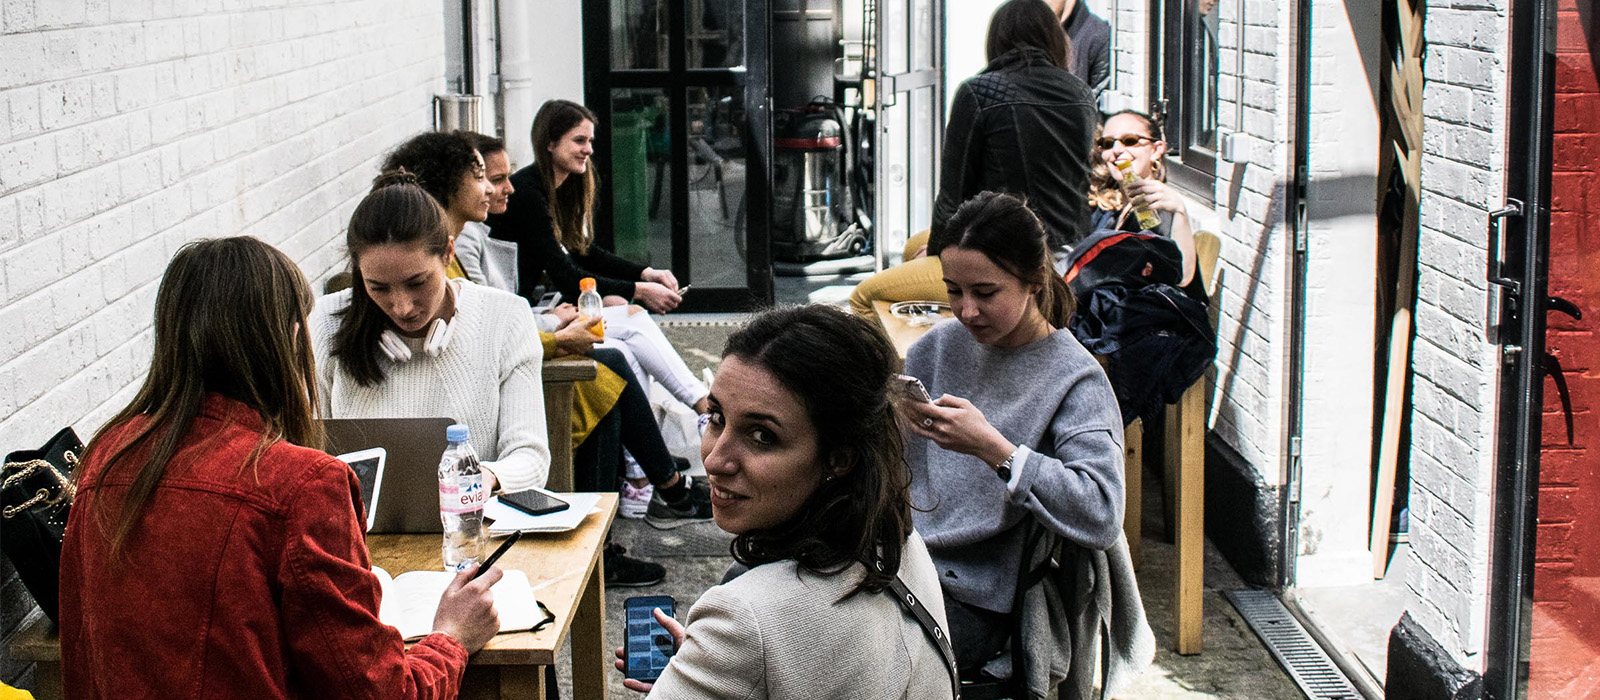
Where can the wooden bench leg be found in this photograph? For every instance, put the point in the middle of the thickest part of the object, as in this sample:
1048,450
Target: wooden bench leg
590,658
1185,461
558,417
1133,487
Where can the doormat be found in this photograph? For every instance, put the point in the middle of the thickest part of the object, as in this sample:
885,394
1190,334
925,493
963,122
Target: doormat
695,540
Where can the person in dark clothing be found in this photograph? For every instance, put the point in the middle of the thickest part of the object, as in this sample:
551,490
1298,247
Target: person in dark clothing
1089,37
551,218
1022,126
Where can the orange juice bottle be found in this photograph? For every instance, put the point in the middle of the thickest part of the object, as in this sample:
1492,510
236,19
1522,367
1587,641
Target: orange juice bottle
589,305
1147,219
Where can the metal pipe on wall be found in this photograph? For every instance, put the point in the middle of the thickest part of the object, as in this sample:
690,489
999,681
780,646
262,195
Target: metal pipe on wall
517,75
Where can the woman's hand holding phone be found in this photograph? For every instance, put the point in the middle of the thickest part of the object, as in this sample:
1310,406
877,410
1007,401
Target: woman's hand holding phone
672,627
954,424
655,297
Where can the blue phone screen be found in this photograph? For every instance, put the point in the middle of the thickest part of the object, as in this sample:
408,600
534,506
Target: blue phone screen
649,645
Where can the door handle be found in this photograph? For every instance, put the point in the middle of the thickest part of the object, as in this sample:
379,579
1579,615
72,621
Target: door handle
1493,273
1563,306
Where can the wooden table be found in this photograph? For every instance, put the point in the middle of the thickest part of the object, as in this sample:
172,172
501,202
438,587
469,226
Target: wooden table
559,376
1185,477
567,574
901,333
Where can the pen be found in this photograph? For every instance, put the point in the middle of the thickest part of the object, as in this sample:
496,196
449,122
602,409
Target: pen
496,556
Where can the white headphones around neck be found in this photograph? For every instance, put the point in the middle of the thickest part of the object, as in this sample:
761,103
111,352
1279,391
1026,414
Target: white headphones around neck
439,333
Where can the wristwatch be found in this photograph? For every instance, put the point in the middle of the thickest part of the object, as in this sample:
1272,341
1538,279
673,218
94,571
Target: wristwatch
1003,469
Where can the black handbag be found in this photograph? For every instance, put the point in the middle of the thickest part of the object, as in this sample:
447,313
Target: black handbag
35,495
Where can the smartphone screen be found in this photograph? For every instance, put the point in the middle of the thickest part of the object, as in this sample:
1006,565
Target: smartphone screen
648,644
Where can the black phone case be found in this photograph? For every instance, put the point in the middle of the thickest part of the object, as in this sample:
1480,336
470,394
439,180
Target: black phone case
647,644
534,502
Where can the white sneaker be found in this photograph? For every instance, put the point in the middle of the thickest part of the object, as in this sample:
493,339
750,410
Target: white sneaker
635,501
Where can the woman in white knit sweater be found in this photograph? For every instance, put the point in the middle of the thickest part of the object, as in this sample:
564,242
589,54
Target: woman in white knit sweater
404,341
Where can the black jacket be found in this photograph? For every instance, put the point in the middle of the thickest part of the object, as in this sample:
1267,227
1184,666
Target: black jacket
1157,339
527,223
1091,47
1021,126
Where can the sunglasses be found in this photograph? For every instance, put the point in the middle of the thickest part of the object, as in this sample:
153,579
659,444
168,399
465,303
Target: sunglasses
1128,141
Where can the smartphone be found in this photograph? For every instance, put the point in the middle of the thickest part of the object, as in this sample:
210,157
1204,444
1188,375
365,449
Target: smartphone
534,502
684,290
909,388
547,302
647,644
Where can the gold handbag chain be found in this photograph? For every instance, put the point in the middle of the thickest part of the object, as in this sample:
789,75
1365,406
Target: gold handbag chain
21,470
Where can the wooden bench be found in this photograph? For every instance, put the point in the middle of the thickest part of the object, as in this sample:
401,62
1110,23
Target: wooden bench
559,377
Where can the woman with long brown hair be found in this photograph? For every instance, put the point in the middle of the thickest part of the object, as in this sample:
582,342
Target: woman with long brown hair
806,470
550,217
405,341
212,546
1024,436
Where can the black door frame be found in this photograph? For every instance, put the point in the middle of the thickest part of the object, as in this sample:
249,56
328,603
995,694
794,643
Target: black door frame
676,80
1519,269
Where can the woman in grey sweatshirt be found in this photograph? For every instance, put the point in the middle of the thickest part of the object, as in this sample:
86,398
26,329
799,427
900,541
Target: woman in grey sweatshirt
1025,427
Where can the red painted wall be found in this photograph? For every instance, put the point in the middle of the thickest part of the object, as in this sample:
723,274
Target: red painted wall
1566,646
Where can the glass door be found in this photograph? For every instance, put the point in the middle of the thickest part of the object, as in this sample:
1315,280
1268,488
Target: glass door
683,86
1542,637
910,96
1564,634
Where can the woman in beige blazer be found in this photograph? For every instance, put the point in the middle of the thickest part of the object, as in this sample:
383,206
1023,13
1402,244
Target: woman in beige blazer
804,460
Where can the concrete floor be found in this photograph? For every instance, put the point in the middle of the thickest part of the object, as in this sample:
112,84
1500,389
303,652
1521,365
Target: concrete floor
1358,618
1234,664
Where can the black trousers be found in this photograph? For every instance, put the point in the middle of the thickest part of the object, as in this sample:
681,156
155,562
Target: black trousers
976,635
631,424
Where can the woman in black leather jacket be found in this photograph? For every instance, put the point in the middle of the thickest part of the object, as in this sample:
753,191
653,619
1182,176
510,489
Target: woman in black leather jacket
1023,125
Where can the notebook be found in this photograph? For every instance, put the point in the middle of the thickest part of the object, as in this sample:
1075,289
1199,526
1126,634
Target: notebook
410,600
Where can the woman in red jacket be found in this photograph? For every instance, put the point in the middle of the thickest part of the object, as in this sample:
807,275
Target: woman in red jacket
213,550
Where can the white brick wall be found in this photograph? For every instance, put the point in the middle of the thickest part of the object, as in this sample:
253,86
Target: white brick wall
130,127
1455,371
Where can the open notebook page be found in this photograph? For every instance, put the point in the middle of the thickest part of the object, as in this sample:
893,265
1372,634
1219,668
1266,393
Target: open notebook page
410,599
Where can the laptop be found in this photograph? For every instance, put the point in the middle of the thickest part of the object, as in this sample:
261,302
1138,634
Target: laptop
407,500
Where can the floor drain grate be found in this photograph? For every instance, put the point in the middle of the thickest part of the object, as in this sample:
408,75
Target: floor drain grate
1289,643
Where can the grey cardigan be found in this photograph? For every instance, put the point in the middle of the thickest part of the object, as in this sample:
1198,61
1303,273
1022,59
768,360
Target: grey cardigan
487,261
782,633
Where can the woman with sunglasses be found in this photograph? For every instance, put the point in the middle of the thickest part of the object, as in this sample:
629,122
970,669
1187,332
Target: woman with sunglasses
1136,137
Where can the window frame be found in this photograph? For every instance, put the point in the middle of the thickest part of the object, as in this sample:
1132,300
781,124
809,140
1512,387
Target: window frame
1190,167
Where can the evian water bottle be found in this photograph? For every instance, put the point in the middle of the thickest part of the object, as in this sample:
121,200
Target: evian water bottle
461,499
